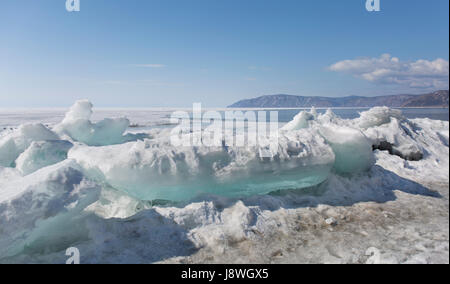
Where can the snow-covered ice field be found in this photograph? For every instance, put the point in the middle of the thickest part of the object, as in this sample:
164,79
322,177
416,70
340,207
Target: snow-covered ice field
368,189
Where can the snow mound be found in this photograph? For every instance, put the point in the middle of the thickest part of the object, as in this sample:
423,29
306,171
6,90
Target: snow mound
13,144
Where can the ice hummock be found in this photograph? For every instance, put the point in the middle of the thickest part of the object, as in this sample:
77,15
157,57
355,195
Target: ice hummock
92,185
301,120
389,130
77,126
12,145
310,148
154,169
42,205
41,154
352,149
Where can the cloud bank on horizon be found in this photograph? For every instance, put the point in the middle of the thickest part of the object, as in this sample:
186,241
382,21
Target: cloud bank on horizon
386,69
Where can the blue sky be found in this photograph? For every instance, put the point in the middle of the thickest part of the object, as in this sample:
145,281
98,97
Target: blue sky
171,53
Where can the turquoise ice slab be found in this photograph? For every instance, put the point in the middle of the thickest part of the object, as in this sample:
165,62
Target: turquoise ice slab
263,183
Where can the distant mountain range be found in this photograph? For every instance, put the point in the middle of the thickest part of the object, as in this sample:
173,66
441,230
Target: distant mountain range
435,99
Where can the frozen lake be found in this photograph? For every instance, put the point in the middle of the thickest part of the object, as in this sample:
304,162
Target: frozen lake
160,117
339,185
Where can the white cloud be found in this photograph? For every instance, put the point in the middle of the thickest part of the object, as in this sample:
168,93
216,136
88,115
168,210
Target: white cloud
150,65
390,70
